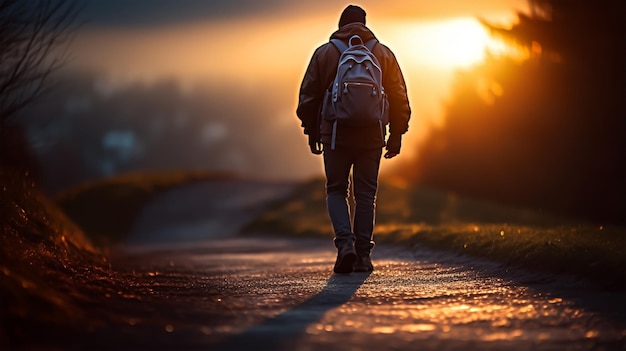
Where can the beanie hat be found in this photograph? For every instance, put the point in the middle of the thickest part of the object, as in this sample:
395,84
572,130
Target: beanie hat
352,14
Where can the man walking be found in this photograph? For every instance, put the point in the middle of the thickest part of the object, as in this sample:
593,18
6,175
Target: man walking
346,147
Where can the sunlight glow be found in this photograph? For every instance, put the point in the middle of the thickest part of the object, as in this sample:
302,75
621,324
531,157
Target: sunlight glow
269,55
454,43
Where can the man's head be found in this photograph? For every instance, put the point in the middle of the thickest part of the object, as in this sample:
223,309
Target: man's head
352,14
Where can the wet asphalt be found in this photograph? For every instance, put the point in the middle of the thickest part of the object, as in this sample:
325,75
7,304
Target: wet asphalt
221,291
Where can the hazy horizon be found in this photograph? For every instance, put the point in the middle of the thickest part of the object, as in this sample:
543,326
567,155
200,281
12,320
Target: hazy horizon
261,52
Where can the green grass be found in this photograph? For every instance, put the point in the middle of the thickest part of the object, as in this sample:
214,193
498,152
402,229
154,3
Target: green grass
513,236
107,208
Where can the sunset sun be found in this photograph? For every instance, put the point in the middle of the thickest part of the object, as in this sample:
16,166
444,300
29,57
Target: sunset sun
450,43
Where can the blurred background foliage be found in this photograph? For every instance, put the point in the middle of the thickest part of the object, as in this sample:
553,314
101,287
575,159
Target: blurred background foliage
548,131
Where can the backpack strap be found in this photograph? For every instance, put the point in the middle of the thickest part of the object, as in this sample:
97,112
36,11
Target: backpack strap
340,45
371,43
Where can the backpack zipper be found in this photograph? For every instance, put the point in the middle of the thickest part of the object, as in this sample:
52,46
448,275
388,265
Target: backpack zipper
346,84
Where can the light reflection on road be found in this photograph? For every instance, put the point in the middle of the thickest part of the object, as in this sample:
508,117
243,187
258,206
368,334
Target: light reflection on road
426,300
282,294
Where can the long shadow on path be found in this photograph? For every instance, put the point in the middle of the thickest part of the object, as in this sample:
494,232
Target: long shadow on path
286,328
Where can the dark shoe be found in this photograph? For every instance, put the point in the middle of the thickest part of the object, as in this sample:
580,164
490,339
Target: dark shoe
363,264
346,256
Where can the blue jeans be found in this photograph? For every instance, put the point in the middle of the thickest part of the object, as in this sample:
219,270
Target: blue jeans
364,164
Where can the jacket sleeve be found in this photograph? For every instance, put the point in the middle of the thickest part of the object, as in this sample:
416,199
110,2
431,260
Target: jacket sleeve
395,88
311,96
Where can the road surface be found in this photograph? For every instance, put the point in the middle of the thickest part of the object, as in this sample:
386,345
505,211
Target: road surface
205,288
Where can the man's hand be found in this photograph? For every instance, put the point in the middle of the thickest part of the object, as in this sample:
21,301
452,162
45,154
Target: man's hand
390,154
315,145
394,143
316,148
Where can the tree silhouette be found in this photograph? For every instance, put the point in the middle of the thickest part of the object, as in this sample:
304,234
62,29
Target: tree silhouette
31,38
549,131
30,32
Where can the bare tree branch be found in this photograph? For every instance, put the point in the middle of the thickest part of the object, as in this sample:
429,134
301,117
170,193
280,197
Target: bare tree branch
32,34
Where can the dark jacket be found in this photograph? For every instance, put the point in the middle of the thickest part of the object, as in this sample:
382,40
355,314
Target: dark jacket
321,72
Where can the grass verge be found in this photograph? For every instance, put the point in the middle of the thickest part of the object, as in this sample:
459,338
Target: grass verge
56,287
44,260
107,208
513,236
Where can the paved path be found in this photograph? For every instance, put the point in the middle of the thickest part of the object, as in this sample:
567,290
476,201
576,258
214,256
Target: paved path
205,210
231,293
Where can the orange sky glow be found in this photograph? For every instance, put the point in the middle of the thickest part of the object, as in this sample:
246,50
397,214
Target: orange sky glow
430,40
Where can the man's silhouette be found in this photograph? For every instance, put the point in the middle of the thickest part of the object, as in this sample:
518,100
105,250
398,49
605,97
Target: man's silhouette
359,149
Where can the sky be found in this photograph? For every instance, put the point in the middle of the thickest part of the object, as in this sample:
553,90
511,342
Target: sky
264,48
